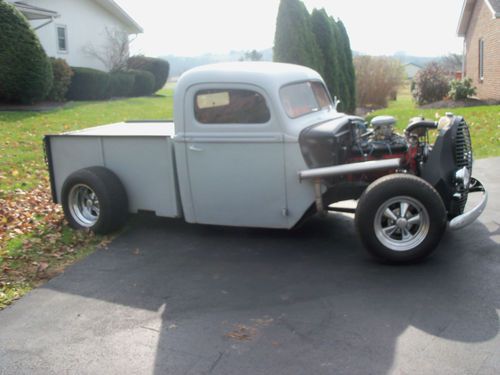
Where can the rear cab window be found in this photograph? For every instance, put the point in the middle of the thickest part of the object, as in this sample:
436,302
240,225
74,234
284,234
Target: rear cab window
230,106
303,98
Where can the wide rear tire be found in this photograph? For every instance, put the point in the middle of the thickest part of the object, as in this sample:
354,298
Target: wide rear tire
94,198
400,218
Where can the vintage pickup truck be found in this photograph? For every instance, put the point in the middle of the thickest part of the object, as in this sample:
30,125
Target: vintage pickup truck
262,145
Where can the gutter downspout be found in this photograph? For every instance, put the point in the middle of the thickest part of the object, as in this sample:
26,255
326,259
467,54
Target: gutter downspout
464,57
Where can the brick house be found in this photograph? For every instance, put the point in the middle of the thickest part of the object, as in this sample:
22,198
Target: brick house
480,27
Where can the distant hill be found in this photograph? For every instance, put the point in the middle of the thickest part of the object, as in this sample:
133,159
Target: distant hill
180,64
405,59
418,60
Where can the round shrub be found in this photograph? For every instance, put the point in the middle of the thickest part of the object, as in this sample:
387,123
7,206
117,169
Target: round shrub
158,67
431,84
461,89
62,80
25,71
88,84
144,83
121,84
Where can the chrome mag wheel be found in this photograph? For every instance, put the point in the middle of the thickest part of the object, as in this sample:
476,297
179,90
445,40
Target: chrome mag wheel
83,205
401,223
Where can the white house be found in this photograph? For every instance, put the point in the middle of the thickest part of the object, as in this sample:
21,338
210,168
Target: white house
411,70
68,29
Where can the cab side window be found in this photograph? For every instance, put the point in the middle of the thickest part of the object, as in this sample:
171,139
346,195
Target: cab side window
230,106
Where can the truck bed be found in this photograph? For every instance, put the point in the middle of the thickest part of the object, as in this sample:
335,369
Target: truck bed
130,129
141,154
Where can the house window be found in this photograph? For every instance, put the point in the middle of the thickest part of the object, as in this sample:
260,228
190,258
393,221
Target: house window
481,59
62,39
231,107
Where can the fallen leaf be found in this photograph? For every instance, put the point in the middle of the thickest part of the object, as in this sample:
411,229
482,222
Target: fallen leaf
136,252
42,267
242,333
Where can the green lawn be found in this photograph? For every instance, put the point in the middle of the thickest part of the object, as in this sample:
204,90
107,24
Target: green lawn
484,121
35,243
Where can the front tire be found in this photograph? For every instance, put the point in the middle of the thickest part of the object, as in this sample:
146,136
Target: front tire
94,198
401,218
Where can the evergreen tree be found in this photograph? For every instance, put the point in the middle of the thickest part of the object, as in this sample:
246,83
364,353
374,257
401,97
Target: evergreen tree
319,42
25,71
294,41
343,87
349,68
323,33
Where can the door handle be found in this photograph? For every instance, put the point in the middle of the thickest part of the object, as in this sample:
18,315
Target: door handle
196,149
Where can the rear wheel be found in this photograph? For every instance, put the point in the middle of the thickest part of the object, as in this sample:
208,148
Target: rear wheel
401,218
84,205
95,199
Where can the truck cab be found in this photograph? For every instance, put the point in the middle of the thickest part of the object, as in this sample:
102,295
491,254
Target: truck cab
237,142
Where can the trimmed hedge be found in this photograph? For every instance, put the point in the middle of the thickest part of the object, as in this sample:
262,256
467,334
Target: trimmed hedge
92,84
89,84
62,80
144,83
158,67
121,84
25,71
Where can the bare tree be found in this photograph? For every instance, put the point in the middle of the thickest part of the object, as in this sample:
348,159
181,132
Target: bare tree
377,79
452,63
114,52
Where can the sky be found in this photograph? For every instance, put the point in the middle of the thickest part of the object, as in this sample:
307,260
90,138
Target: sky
376,27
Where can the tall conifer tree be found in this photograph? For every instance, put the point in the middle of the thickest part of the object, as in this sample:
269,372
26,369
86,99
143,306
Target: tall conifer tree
349,67
294,40
343,90
327,43
319,42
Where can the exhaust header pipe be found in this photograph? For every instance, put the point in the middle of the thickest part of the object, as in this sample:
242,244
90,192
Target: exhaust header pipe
353,168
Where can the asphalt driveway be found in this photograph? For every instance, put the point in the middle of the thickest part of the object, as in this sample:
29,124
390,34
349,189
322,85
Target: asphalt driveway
173,298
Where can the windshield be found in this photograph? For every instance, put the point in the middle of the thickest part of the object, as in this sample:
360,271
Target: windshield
302,98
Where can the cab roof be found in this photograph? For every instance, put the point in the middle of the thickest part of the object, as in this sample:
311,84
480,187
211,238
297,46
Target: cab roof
268,75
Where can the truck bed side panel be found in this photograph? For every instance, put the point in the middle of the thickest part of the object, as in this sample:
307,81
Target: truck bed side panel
145,165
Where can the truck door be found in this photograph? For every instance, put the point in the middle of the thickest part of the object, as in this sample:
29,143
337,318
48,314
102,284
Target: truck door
235,157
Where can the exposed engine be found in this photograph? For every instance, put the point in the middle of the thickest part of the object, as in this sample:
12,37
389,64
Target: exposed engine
446,164
379,141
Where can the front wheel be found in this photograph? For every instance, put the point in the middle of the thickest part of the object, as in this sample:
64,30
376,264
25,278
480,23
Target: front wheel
401,218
